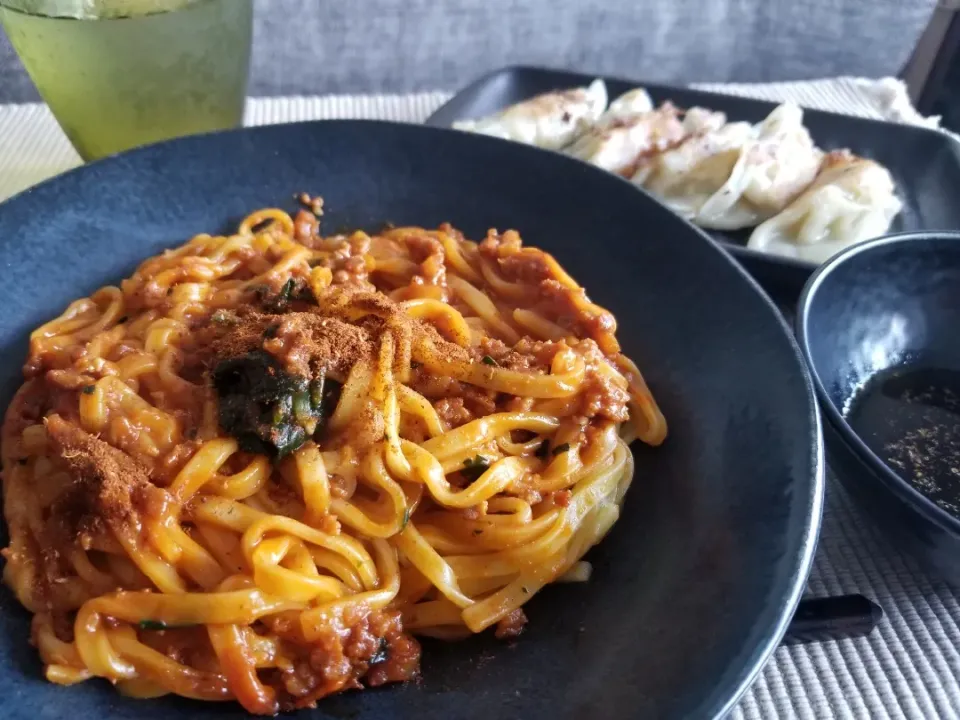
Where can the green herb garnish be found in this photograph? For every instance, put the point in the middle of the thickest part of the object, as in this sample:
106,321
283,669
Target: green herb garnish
562,448
474,467
543,450
487,360
268,410
287,290
406,519
89,389
279,303
152,625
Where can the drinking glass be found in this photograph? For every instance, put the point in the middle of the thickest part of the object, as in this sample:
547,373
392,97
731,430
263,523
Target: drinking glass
122,73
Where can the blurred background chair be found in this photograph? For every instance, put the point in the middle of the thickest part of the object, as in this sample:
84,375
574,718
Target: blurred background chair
314,47
933,71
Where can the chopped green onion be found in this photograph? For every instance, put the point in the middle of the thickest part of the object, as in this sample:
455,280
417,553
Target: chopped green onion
487,360
560,449
152,625
473,468
286,291
302,409
316,393
89,389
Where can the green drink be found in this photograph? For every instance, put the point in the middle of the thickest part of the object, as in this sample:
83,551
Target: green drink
122,73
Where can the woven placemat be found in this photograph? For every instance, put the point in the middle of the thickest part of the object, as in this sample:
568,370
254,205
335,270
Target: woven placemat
909,667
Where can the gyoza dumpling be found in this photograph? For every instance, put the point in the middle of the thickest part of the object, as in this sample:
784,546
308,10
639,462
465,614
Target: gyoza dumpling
550,121
685,176
852,199
630,103
621,144
615,143
698,120
739,175
620,141
770,171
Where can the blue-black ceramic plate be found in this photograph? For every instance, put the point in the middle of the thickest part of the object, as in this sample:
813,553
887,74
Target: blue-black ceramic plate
694,586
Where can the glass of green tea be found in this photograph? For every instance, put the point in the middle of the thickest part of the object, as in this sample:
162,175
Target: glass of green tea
122,73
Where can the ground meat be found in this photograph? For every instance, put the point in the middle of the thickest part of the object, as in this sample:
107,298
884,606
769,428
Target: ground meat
472,513
529,267
428,252
434,386
360,645
479,401
527,355
495,245
453,412
26,408
601,396
349,261
511,626
514,403
306,227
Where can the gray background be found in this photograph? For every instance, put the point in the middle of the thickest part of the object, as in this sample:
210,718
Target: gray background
340,46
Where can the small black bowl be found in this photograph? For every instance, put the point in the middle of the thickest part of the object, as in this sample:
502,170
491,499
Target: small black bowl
879,325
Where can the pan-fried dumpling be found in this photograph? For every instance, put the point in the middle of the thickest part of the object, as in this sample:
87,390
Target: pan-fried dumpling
630,103
619,142
698,120
550,120
616,142
770,171
852,199
685,176
737,176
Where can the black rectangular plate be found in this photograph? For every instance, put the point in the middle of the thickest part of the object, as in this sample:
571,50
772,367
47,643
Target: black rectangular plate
925,163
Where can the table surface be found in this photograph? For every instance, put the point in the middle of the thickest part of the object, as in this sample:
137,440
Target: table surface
910,665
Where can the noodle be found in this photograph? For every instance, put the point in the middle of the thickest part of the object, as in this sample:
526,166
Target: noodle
255,468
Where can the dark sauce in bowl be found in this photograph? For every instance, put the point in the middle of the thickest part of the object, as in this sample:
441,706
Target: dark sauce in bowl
910,417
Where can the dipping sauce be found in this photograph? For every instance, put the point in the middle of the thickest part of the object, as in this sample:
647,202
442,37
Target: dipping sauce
910,417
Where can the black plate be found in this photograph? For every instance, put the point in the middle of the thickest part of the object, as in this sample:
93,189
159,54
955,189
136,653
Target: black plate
692,589
925,163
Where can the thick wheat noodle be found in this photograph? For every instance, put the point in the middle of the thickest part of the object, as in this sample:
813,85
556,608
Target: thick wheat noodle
476,450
